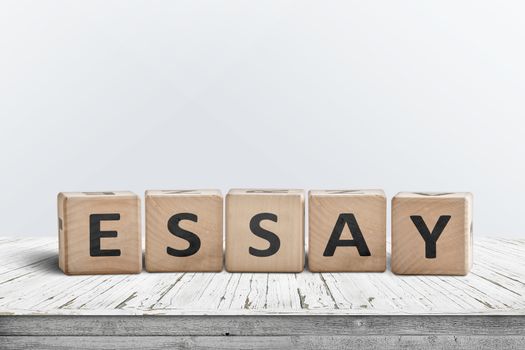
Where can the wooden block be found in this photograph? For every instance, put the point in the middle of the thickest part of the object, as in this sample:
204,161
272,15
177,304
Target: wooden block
432,233
184,230
99,233
347,230
265,230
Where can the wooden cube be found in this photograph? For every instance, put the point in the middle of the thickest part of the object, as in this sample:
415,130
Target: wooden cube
432,233
184,230
347,230
265,230
99,233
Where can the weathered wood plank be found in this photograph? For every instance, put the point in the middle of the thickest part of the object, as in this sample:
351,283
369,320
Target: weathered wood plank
30,283
267,342
260,325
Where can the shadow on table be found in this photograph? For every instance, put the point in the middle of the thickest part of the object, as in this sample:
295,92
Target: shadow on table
42,259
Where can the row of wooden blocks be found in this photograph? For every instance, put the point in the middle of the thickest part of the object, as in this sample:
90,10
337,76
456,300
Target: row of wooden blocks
100,232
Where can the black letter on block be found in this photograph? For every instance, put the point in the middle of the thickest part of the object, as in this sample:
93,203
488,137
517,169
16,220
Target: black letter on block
275,242
358,241
95,234
430,238
193,239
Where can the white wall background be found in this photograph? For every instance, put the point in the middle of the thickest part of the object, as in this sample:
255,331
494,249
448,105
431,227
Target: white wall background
400,95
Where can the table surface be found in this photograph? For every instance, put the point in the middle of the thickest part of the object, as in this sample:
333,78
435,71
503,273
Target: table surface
32,284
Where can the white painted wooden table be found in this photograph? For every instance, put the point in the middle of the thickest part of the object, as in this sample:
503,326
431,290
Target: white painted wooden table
42,307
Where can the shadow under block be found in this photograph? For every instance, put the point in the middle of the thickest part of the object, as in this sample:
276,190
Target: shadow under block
432,233
184,231
99,233
347,231
265,230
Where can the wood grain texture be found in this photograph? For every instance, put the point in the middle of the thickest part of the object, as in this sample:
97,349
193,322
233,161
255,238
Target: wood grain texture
268,342
288,208
32,284
453,250
207,206
261,325
74,211
368,207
